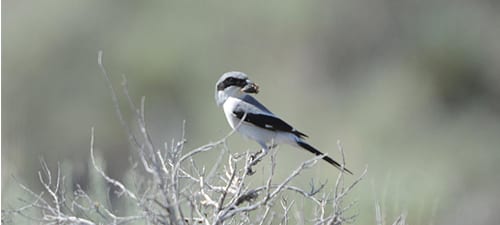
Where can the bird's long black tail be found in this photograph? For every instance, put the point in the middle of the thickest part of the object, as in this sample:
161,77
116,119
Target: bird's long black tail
326,158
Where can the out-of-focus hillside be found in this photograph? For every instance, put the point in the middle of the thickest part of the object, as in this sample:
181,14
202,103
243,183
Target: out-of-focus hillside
411,88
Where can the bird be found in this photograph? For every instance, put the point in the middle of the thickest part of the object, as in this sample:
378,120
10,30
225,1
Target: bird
254,121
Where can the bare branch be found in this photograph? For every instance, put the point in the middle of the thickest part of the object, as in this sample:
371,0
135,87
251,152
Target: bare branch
179,188
110,180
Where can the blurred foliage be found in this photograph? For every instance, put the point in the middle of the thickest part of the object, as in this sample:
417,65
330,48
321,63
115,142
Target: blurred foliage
411,88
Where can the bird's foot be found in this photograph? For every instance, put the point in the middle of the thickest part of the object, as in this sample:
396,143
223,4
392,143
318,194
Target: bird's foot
272,146
254,159
255,155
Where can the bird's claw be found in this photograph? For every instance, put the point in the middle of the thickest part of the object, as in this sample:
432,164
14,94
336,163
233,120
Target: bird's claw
254,159
272,146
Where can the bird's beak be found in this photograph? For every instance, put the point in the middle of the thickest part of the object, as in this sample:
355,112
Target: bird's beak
250,87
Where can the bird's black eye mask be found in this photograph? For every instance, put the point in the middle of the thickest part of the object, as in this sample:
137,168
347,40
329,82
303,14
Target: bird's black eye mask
231,81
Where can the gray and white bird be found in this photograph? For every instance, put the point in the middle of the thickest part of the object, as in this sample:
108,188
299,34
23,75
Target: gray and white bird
232,92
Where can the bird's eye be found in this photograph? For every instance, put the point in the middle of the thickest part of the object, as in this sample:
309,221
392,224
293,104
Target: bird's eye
230,81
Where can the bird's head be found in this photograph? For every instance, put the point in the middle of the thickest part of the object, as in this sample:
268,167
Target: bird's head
233,84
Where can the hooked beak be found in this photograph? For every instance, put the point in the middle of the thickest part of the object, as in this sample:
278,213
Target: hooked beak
250,87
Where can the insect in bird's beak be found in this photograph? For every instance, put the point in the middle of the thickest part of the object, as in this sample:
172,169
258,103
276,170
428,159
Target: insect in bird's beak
250,87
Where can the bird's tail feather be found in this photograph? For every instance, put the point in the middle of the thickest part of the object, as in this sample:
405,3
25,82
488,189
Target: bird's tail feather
315,151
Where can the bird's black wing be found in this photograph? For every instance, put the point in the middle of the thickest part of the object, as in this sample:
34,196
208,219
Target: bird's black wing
268,122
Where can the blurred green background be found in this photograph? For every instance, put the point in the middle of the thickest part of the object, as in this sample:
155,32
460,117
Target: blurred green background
411,88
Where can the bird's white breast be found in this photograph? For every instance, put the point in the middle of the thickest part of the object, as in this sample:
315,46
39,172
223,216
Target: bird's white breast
229,106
